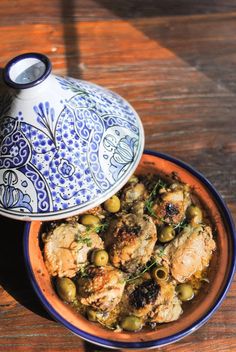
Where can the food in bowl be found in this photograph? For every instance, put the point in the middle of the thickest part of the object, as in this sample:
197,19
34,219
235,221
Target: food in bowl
196,312
137,260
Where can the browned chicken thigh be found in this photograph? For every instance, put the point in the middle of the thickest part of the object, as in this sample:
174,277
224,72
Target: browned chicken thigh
130,241
190,251
101,287
172,204
152,301
67,247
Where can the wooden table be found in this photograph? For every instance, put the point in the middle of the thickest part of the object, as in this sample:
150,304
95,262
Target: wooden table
175,62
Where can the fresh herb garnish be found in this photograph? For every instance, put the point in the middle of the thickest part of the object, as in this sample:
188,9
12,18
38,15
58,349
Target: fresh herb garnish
161,252
181,225
83,240
100,228
142,272
83,271
148,206
97,228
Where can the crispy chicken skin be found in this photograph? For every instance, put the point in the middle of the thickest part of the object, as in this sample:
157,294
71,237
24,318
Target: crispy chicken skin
101,288
66,248
140,297
167,306
130,241
155,302
190,251
172,204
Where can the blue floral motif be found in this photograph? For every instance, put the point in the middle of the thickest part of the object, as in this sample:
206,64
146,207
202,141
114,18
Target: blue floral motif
71,84
123,156
46,117
11,197
65,168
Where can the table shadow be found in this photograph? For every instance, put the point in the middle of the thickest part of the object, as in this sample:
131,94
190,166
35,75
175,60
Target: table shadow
175,35
71,38
89,347
13,274
172,34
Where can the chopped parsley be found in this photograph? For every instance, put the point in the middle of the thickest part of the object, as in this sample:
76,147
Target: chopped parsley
83,240
101,227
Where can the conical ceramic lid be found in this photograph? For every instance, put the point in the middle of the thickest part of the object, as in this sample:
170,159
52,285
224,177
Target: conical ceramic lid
67,145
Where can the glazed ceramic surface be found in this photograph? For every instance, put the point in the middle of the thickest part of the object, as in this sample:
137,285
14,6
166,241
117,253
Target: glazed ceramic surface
196,312
66,144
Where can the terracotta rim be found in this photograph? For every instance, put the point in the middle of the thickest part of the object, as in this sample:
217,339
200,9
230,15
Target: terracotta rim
174,337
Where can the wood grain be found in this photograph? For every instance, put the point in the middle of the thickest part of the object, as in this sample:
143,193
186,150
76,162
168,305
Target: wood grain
175,62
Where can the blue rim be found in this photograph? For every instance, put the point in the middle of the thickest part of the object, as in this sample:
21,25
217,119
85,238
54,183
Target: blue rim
157,342
15,60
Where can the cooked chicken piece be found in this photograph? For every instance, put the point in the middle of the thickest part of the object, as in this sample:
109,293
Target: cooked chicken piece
156,302
133,197
141,298
66,248
190,252
172,204
130,241
138,208
167,306
101,287
133,192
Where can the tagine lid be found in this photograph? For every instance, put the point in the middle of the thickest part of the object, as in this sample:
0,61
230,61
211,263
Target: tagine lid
67,145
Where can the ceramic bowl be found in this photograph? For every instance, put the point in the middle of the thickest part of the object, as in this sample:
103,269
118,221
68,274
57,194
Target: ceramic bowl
196,312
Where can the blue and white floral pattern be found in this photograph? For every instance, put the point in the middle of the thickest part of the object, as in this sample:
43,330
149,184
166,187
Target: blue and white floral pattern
69,158
46,117
12,197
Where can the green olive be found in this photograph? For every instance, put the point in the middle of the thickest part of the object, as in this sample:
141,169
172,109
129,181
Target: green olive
89,220
112,204
66,289
131,323
91,314
133,179
185,292
139,189
160,273
194,214
167,234
100,257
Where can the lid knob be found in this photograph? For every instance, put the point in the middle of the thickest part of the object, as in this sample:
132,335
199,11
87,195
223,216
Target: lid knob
27,70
